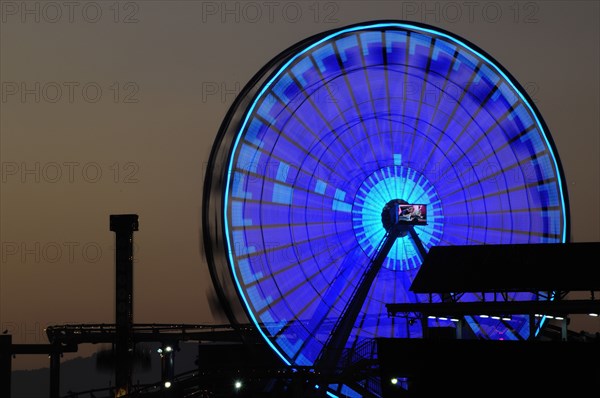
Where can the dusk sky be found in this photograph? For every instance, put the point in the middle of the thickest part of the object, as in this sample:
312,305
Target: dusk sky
112,107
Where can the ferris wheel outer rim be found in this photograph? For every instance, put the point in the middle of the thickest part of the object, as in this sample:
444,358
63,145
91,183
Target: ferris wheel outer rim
239,110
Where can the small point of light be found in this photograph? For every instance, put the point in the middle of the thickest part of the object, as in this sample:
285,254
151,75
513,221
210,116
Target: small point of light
430,317
538,315
167,384
484,316
238,385
549,317
506,318
559,318
454,320
443,319
496,317
394,381
593,314
316,386
168,348
159,350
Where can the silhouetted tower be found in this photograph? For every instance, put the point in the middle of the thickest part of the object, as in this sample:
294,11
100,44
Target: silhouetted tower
123,225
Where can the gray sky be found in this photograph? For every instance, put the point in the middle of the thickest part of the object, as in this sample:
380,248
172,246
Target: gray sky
112,108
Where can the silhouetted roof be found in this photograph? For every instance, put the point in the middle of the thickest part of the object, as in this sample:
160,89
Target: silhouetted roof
523,267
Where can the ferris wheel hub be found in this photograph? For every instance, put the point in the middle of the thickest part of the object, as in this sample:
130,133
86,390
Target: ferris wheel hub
372,198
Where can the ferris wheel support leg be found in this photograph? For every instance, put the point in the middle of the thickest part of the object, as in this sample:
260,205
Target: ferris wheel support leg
342,330
531,327
418,244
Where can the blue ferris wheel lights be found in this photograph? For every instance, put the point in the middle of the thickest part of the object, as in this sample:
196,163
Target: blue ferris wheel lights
347,123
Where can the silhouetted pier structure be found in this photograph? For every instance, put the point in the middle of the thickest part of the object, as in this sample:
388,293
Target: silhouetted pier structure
550,271
123,335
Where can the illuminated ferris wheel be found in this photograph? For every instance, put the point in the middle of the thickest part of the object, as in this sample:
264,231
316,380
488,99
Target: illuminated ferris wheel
332,134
